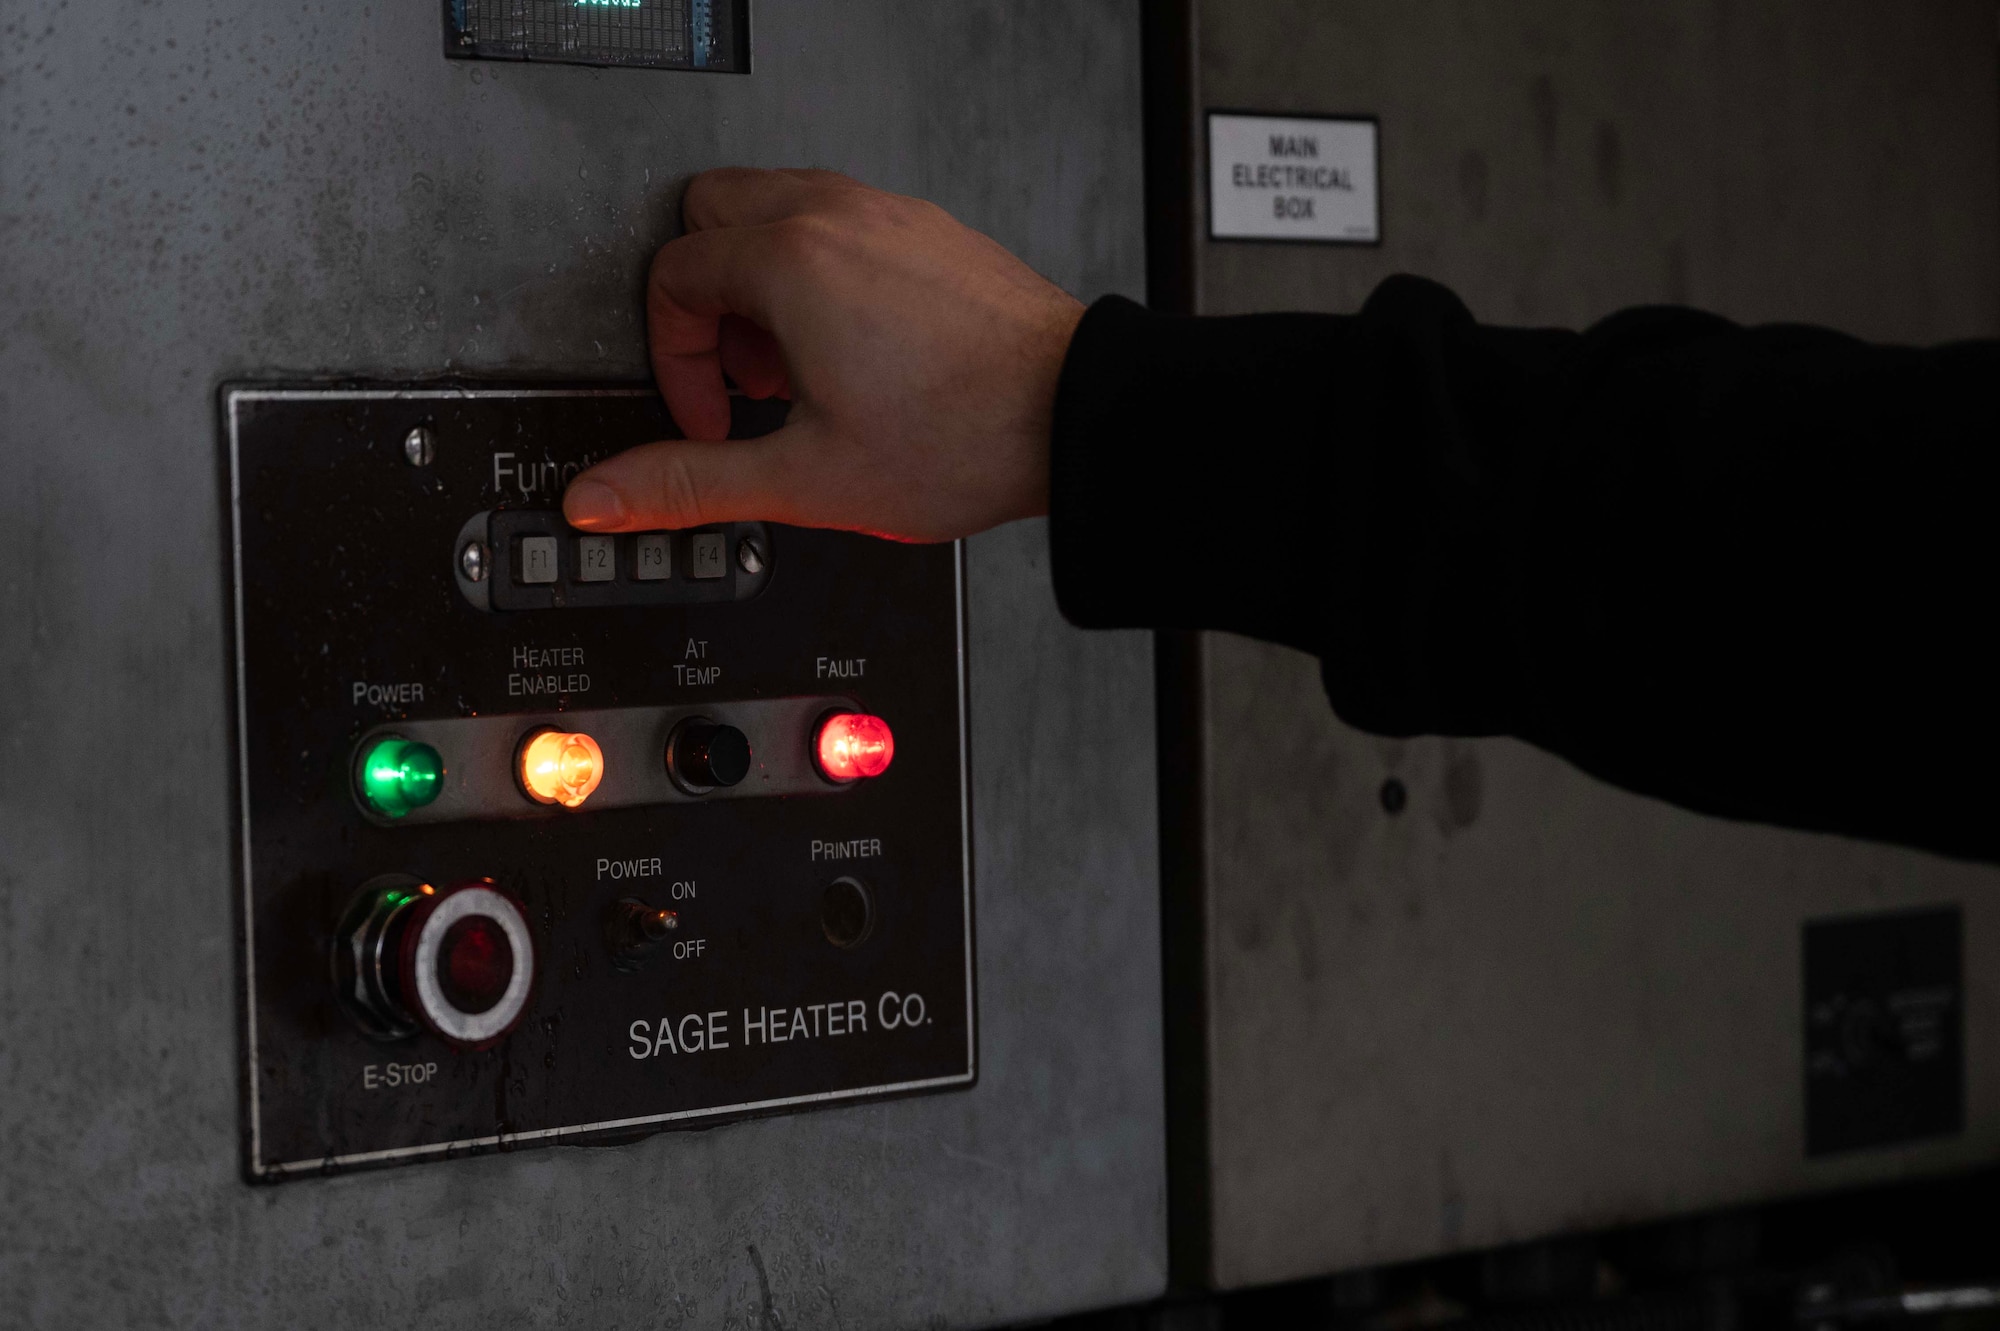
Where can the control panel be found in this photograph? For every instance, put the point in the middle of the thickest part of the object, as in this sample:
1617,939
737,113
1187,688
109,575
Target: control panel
552,835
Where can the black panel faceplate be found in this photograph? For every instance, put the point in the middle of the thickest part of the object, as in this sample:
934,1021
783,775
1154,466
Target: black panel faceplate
344,577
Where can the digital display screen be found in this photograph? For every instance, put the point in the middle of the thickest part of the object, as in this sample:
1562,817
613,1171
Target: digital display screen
709,35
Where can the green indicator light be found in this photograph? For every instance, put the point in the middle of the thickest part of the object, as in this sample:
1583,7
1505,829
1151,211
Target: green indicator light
398,775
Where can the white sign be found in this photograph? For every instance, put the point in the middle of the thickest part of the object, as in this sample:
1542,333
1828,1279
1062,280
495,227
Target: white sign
1292,178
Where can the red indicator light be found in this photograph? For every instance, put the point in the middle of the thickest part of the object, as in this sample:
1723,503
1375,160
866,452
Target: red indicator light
852,745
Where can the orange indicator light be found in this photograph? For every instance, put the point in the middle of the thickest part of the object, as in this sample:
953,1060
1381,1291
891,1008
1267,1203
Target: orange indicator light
560,768
851,745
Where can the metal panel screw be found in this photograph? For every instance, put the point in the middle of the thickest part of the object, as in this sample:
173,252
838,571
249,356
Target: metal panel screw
472,562
750,554
419,447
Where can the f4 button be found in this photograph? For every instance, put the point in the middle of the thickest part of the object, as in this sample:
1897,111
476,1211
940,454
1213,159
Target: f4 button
708,554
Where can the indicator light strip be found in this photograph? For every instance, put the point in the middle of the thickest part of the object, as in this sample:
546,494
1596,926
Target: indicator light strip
483,755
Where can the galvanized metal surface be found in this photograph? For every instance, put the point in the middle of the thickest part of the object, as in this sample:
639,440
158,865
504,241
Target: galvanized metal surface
219,189
1530,1003
1832,163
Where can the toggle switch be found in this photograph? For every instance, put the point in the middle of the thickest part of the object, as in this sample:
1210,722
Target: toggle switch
559,767
848,746
702,754
634,930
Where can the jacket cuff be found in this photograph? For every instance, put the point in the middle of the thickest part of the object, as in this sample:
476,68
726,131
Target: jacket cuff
1092,525
1167,507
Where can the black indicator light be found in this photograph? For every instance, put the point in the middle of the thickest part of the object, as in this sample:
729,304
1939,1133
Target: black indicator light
702,755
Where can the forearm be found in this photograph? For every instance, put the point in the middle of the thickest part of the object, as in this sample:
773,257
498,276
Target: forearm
1737,568
1341,484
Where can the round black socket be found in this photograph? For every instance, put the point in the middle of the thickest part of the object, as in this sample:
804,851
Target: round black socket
847,912
707,754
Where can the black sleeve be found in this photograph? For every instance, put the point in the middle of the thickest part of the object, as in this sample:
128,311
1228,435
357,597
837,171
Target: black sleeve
1748,570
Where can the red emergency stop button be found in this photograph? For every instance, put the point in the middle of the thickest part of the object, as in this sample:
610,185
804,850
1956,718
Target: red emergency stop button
475,964
468,964
848,746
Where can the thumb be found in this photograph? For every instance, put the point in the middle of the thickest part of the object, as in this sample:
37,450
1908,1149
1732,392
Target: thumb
693,483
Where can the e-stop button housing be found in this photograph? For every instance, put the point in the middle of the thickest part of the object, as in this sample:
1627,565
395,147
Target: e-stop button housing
575,824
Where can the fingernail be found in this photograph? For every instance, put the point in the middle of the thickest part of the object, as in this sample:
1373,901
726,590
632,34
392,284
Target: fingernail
593,504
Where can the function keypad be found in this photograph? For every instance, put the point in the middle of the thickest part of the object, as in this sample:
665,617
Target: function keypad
542,563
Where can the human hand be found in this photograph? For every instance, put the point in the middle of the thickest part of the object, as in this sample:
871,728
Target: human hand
920,356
